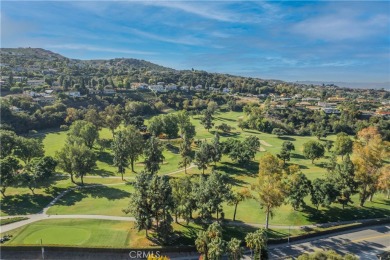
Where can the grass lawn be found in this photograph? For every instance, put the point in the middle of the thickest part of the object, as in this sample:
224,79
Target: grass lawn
107,233
20,201
105,200
111,200
6,221
77,232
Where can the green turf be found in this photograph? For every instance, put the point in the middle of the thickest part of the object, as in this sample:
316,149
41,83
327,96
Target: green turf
111,200
77,232
107,200
6,221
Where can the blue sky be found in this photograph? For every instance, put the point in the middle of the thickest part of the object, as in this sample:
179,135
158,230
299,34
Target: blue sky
318,41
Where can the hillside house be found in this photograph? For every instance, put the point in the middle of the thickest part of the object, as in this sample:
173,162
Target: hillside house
35,82
74,94
109,90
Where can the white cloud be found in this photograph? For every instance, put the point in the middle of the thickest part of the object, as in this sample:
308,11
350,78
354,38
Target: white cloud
342,26
187,40
97,48
203,9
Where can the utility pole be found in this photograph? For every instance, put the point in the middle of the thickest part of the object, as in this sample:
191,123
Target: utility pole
43,250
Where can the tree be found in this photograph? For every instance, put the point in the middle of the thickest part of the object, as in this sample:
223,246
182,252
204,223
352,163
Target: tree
28,148
85,131
298,188
234,249
140,207
257,242
187,129
316,193
279,132
323,192
343,178
153,155
38,173
238,197
8,141
186,153
184,201
64,159
369,152
284,155
8,174
93,117
384,180
83,161
224,127
203,156
328,145
343,144
76,159
120,151
156,125
216,149
207,120
111,117
242,152
313,150
210,193
270,188
161,202
210,243
135,144
212,106
288,146
170,125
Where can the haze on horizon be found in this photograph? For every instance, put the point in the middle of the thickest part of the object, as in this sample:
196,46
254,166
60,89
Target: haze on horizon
317,41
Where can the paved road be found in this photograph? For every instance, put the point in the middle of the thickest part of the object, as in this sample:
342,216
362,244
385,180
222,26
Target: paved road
364,242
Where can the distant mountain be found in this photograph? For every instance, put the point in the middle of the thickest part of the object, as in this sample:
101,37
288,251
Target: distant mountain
37,57
367,85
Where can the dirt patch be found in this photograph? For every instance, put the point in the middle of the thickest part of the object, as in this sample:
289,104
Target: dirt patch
262,142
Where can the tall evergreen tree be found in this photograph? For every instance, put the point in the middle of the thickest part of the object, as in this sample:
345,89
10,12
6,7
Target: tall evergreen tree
153,155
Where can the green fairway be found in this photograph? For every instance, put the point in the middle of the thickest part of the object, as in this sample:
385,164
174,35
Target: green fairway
78,232
114,234
94,201
110,200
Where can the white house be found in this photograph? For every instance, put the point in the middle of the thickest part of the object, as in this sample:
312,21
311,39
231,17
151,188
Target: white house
226,90
74,94
157,88
35,82
170,87
108,90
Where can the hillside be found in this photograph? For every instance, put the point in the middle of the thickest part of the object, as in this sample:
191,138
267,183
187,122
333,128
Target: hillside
27,59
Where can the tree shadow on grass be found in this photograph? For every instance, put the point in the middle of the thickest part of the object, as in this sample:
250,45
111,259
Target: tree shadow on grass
172,148
106,192
102,173
105,157
225,119
287,138
298,156
187,236
335,214
229,134
322,164
248,169
74,196
23,204
251,131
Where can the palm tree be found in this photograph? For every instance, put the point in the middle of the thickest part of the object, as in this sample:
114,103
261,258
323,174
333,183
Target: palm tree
234,250
257,241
